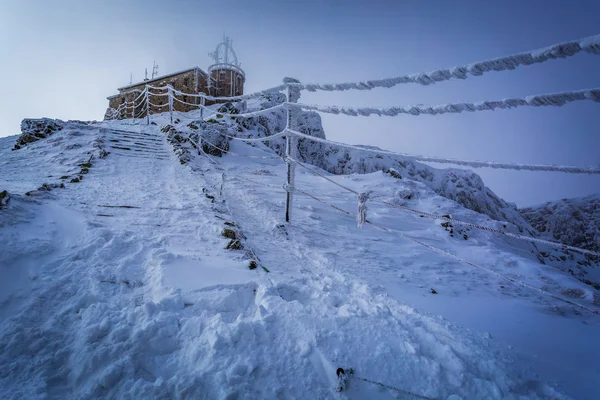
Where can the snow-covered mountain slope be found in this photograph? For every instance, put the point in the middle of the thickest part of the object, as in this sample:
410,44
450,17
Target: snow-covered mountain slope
122,285
575,222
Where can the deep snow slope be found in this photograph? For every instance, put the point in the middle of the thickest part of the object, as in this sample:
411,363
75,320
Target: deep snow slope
121,286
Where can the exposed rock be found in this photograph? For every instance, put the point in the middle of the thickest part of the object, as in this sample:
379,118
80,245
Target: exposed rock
575,222
269,100
229,233
4,199
394,173
36,129
229,108
234,245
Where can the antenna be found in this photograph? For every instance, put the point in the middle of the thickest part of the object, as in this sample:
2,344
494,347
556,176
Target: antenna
224,53
154,69
146,75
131,78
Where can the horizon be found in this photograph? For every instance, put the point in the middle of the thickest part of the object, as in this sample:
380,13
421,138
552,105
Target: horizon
85,59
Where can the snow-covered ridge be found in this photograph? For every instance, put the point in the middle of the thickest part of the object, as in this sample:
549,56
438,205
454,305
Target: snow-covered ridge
575,222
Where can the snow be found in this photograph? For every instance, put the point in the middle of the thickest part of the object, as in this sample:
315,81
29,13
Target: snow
120,286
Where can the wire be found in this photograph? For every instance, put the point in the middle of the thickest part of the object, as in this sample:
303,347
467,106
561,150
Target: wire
474,164
589,44
543,100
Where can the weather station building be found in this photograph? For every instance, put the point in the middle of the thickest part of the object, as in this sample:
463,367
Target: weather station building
225,78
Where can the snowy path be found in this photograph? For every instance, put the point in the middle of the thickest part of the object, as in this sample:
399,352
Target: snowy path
100,321
120,286
347,320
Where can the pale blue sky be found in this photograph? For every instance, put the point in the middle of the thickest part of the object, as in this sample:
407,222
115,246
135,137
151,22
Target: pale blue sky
62,58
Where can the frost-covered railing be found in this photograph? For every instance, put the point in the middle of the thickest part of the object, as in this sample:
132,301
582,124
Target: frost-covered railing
143,104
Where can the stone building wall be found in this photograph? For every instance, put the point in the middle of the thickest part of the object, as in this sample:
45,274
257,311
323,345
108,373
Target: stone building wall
193,81
226,83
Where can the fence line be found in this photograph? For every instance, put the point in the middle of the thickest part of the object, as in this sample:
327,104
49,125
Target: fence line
589,44
474,164
544,100
452,220
540,100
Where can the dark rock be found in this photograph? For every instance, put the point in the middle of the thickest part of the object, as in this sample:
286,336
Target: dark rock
252,265
4,199
228,108
36,129
393,173
234,245
229,233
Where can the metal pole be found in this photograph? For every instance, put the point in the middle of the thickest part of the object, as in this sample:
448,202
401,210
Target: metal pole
147,107
170,97
202,108
290,177
290,151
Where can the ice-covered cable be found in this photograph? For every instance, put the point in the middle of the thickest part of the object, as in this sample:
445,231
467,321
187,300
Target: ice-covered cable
543,100
232,98
589,44
158,94
249,114
158,105
468,163
185,102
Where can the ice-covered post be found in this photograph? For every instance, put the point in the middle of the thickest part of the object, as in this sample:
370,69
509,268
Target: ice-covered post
293,93
170,98
147,106
202,99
